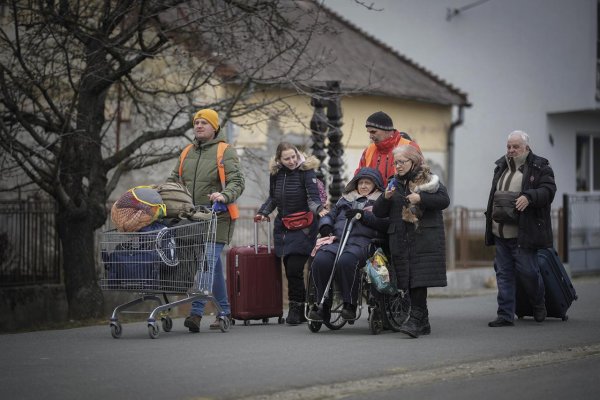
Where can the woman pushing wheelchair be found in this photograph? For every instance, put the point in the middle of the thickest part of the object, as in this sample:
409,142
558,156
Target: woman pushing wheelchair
352,226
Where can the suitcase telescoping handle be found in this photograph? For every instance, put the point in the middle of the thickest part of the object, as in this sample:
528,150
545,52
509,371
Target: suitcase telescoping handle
269,233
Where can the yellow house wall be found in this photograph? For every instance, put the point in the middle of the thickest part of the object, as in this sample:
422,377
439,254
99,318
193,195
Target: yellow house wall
427,124
252,134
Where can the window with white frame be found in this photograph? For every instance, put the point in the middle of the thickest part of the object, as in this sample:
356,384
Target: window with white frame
598,51
587,163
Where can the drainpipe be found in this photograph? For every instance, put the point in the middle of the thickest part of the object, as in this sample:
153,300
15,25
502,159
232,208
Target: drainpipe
451,242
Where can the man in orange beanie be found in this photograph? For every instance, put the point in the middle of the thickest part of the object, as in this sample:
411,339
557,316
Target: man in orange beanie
196,169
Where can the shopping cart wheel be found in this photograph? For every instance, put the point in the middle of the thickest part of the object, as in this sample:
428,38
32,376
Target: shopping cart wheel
167,324
224,324
153,331
116,329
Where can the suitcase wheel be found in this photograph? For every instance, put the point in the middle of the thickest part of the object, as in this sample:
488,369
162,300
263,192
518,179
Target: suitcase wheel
565,318
246,322
280,320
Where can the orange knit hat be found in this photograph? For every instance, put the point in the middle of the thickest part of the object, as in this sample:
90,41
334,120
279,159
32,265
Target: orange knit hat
210,115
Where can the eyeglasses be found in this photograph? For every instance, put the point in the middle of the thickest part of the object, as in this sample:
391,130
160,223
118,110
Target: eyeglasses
400,162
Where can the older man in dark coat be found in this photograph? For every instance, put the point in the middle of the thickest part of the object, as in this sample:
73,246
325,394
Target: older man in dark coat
518,235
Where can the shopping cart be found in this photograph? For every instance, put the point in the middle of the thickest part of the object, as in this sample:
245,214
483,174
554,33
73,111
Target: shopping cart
161,260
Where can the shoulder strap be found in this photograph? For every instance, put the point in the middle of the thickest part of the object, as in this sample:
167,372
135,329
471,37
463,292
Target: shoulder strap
369,154
233,209
221,168
182,157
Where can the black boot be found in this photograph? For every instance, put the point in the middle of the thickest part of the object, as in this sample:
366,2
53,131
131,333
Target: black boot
417,324
320,313
296,313
349,312
426,330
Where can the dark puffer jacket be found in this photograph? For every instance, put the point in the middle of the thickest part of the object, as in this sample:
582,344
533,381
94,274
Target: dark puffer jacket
535,225
293,190
364,230
418,254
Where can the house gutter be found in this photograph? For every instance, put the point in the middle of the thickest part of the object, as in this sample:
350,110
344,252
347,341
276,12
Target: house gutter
451,130
450,234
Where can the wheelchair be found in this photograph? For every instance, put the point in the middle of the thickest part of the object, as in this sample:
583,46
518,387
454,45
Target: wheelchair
334,303
385,312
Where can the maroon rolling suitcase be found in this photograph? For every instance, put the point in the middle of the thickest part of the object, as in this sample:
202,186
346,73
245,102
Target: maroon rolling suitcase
254,282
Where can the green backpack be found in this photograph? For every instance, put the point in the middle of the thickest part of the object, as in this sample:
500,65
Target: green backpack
177,199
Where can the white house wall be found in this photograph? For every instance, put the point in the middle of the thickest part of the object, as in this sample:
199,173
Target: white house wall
519,60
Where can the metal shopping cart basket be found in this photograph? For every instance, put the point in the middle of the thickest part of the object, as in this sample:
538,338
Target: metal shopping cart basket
161,260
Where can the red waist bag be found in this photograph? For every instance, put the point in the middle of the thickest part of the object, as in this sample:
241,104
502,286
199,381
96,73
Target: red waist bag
298,220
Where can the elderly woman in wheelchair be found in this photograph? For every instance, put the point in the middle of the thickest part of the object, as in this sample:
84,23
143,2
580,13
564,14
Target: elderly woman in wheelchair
347,232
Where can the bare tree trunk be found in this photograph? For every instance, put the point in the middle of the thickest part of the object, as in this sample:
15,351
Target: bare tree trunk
83,195
76,234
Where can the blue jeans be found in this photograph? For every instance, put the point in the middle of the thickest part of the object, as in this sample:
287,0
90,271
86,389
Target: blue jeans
219,289
512,263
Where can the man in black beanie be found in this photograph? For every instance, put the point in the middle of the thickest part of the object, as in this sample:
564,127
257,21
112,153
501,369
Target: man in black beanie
385,138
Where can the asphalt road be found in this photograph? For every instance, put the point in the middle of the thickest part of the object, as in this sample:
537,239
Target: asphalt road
462,357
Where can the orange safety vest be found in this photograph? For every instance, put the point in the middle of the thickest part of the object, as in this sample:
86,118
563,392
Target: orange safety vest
234,211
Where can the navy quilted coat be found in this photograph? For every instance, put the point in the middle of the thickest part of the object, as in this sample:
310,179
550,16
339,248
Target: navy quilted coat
293,190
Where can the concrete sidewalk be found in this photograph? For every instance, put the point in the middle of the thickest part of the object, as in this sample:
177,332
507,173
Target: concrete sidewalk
467,282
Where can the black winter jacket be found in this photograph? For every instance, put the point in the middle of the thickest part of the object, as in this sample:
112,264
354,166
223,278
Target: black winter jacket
418,254
535,224
291,191
364,230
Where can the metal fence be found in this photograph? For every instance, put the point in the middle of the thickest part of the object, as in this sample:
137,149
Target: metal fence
582,232
243,234
466,228
29,244
30,249
465,231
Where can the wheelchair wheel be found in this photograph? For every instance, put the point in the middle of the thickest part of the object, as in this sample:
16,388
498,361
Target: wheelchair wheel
375,321
314,326
311,301
335,320
397,310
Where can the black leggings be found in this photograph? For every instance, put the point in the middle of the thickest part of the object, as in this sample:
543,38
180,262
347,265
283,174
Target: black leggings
294,272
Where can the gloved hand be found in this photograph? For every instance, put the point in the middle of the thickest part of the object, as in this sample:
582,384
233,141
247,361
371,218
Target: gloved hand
259,218
325,230
353,212
219,207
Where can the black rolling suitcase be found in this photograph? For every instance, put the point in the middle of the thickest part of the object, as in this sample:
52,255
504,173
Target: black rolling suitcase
560,292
